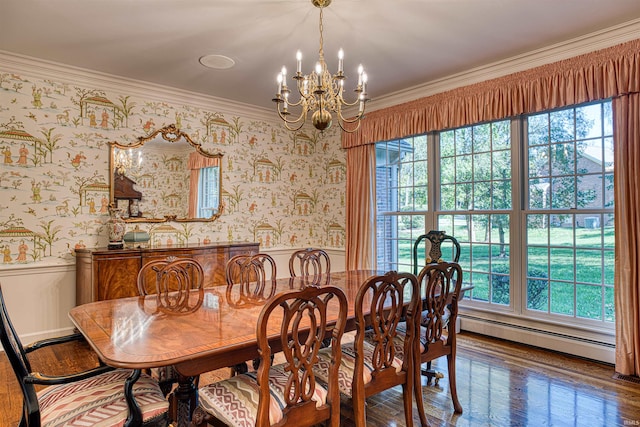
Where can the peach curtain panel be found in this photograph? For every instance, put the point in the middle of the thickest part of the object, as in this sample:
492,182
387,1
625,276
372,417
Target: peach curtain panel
360,209
608,73
196,162
626,131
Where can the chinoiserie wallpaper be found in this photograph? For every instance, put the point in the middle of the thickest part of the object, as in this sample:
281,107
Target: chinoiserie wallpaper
279,188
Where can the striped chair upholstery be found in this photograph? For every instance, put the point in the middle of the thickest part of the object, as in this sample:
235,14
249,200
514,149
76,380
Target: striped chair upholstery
286,394
94,398
347,366
99,401
377,359
235,401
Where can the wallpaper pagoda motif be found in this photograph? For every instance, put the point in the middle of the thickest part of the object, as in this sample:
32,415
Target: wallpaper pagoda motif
278,188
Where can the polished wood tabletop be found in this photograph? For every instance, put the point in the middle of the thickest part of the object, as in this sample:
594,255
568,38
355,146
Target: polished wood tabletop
219,331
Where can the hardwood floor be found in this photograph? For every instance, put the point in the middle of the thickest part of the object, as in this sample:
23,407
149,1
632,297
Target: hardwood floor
499,384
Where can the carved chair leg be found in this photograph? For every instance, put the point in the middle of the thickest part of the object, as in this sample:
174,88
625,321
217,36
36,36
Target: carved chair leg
417,391
451,362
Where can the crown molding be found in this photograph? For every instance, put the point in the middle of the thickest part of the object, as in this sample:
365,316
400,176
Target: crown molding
79,76
567,49
44,69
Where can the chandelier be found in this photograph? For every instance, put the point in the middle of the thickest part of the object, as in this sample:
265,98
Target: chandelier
321,93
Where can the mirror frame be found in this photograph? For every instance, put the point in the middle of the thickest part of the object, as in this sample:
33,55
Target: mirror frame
171,134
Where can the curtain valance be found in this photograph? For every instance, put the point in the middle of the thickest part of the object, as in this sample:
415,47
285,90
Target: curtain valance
602,74
198,161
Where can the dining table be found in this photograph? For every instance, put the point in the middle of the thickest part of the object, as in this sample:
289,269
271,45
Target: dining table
215,328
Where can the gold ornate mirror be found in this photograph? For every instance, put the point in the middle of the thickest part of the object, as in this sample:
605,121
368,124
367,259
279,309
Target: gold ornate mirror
166,176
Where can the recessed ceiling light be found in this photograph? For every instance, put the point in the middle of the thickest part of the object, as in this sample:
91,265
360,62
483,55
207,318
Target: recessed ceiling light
219,62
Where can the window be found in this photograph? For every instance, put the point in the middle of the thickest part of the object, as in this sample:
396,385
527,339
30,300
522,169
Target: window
208,191
530,200
569,214
475,204
402,199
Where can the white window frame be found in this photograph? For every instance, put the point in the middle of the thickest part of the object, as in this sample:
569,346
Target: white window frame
515,314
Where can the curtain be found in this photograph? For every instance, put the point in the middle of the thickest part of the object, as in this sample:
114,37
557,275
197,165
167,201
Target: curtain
598,75
360,209
626,133
608,73
196,162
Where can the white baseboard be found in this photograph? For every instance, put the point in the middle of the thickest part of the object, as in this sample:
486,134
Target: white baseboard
557,342
43,335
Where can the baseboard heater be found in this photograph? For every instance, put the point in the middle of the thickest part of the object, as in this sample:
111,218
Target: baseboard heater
577,346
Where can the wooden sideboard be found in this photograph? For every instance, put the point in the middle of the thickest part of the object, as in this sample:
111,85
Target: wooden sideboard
112,273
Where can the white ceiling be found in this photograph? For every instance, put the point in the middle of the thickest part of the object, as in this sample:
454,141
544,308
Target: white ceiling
401,43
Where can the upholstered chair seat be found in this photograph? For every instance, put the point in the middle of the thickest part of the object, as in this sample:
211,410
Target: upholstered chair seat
375,361
235,401
91,398
100,401
287,393
347,365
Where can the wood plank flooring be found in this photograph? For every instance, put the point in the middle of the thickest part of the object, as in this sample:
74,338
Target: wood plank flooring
499,384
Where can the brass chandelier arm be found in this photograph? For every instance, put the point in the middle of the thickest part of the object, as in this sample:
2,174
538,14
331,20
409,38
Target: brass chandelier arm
302,118
356,118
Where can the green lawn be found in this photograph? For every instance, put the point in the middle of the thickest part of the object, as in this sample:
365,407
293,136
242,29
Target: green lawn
561,279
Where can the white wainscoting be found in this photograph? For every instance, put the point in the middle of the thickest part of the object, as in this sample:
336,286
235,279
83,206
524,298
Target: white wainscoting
39,298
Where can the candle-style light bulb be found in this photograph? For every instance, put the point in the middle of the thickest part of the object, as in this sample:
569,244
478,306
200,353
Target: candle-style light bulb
340,58
279,80
284,76
299,61
360,71
319,73
364,82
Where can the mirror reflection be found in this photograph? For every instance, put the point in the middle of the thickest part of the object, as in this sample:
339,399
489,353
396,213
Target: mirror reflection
166,176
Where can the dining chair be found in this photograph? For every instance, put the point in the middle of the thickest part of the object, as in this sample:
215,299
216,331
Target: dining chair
251,280
373,362
312,263
441,286
293,322
171,281
254,277
102,396
434,252
161,277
